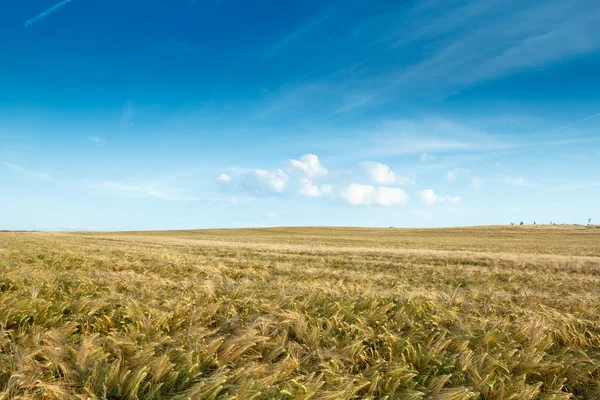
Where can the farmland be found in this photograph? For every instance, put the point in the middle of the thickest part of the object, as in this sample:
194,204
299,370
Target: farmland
299,313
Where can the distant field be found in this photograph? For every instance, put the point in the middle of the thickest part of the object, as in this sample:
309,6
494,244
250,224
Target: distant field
299,313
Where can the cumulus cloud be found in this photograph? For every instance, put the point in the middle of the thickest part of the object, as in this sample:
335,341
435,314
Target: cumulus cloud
518,181
309,189
387,197
358,194
427,157
452,199
224,178
326,189
260,181
453,175
476,183
381,173
309,164
430,198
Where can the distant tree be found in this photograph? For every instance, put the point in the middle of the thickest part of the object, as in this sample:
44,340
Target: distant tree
521,223
534,223
589,221
512,223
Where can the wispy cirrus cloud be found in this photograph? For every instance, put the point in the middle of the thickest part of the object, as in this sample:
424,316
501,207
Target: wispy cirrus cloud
579,121
47,13
468,42
151,190
14,167
96,139
294,35
128,113
129,190
577,186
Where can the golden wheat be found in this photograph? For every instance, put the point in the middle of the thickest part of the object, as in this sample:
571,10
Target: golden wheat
301,313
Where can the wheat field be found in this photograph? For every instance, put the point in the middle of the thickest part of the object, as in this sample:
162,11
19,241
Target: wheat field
302,313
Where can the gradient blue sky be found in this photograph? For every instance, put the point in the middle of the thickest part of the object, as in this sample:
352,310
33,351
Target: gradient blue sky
148,114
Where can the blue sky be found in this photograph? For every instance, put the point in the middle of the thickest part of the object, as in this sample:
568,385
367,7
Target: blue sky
148,114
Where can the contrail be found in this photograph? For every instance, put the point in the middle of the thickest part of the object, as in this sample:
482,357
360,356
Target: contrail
46,13
577,122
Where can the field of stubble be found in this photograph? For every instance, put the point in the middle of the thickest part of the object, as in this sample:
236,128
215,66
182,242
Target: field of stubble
299,313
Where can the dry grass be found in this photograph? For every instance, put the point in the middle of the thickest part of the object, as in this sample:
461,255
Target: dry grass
299,313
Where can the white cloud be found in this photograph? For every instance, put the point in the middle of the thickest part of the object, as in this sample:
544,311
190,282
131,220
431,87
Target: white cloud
309,189
381,173
427,157
453,175
13,166
451,199
487,51
498,165
224,178
309,164
519,181
476,183
127,113
294,35
47,13
133,190
96,139
150,190
390,196
326,189
430,198
271,215
41,175
263,181
358,194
